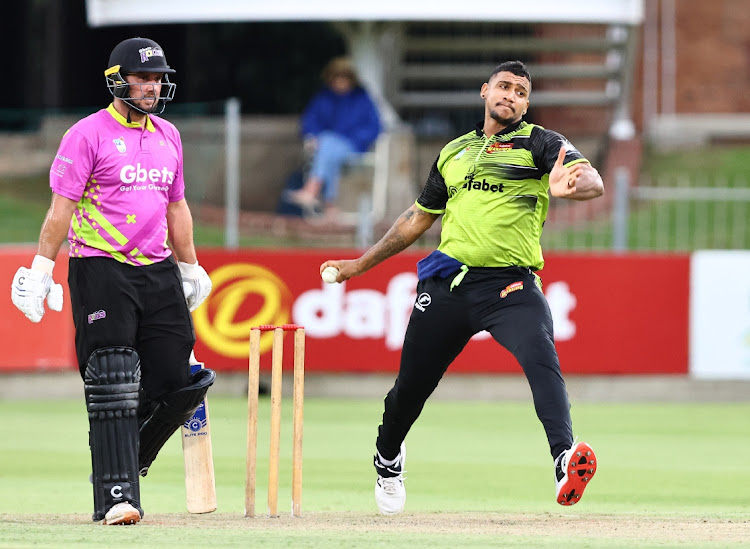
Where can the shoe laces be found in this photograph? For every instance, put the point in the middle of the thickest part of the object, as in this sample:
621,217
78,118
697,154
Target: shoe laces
391,485
561,463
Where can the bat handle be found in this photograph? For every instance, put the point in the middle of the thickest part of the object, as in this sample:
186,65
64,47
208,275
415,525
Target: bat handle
188,289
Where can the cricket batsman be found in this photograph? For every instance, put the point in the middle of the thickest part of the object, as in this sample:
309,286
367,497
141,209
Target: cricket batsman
118,194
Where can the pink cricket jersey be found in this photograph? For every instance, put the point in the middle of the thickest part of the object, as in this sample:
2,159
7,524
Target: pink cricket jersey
123,177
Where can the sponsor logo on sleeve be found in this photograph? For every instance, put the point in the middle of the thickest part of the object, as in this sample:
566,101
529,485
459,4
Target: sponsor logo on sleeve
569,147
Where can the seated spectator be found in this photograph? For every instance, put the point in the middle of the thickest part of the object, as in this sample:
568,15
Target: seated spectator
340,122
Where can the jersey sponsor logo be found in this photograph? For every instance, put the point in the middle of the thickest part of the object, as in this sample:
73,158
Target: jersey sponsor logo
511,288
64,159
423,301
494,147
139,174
120,144
148,53
473,185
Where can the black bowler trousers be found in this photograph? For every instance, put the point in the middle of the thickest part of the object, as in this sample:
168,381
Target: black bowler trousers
506,302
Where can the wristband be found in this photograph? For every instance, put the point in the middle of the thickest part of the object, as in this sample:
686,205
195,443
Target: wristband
189,269
44,264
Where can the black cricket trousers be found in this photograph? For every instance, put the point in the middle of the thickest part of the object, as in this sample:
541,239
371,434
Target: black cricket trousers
508,304
116,304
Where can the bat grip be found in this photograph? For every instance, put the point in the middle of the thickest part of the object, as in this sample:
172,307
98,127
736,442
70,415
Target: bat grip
188,289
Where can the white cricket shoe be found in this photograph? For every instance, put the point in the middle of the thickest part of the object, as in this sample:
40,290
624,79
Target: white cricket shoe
574,469
390,494
122,513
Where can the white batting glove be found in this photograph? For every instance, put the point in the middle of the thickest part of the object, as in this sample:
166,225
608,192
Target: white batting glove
32,286
196,278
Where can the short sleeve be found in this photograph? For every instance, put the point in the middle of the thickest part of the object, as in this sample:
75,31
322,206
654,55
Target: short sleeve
73,166
434,195
546,146
177,189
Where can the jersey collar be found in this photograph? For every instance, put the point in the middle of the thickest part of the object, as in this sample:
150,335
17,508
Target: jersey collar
513,127
122,120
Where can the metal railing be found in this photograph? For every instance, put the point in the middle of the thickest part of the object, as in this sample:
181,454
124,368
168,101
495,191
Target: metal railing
667,213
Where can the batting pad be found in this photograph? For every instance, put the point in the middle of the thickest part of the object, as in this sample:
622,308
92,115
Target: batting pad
111,384
170,412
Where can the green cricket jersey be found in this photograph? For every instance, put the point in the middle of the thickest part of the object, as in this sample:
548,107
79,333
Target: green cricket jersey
494,194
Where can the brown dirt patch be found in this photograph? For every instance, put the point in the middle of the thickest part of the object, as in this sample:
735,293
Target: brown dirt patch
651,530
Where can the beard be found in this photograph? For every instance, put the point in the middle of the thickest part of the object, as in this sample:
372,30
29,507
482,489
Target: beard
148,104
143,97
504,120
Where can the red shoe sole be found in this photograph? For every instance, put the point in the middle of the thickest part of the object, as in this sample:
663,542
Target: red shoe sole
580,471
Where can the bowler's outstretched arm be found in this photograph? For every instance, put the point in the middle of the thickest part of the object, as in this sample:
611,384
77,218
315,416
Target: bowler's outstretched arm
403,233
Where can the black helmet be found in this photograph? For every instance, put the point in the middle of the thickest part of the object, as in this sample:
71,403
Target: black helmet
138,55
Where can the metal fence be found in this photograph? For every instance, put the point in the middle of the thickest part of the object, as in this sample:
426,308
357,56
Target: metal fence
668,213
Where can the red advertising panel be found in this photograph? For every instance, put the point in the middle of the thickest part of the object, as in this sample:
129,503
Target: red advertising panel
25,345
613,314
620,314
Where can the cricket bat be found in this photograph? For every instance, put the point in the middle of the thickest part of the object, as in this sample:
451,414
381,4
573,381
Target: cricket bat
200,484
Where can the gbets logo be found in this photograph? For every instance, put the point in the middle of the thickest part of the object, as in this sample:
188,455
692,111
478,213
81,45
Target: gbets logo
137,174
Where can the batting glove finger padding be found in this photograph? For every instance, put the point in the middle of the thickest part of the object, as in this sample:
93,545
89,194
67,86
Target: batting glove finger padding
29,290
196,278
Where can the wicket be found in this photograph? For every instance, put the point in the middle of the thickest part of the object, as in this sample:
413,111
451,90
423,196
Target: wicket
277,354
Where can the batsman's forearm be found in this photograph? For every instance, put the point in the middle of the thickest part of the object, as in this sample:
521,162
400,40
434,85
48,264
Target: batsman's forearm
403,233
55,226
180,227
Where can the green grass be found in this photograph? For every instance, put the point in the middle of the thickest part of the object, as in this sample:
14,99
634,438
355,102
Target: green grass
664,225
714,160
485,463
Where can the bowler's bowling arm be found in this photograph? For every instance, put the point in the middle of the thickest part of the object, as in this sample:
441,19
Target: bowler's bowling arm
403,233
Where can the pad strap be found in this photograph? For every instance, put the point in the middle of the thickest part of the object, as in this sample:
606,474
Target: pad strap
170,412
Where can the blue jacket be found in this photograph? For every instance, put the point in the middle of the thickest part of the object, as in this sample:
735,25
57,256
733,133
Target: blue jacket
352,115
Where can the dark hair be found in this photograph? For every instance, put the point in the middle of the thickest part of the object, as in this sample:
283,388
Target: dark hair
340,66
515,67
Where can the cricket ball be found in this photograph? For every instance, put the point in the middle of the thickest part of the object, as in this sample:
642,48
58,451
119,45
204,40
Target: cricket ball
329,275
